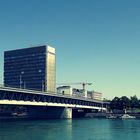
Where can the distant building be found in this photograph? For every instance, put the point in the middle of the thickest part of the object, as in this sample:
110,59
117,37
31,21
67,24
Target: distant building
65,90
79,92
97,96
94,95
30,68
68,90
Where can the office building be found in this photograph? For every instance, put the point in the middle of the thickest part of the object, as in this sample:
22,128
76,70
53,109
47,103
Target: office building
94,95
30,68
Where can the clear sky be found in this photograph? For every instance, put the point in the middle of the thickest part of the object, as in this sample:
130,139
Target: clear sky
96,41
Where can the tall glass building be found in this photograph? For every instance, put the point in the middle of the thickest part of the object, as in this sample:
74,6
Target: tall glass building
31,68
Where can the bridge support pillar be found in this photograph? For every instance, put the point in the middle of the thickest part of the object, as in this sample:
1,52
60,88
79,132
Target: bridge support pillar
67,113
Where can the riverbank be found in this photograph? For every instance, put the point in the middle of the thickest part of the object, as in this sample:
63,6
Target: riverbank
105,115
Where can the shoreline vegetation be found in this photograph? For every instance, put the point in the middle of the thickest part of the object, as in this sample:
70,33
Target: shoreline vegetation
124,104
118,107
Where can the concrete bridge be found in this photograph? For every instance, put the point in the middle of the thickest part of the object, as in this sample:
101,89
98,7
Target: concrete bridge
45,105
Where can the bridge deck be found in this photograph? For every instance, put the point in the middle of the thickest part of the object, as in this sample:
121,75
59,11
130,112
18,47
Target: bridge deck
31,97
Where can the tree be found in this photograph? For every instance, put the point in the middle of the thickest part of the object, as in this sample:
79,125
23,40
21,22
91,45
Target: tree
120,103
125,102
106,100
116,104
134,102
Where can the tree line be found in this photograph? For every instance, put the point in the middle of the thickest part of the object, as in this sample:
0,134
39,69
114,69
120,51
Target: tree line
125,103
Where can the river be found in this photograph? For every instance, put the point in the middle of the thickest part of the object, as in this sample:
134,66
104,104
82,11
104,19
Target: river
76,129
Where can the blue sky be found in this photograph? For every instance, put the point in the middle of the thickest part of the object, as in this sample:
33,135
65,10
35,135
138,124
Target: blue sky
96,41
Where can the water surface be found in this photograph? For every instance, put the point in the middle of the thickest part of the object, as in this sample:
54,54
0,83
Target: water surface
76,129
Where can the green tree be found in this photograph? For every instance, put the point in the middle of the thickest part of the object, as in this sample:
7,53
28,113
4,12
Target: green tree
134,102
125,102
106,100
116,103
120,103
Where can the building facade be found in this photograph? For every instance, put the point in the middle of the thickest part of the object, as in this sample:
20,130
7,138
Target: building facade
65,90
68,90
31,68
94,95
97,96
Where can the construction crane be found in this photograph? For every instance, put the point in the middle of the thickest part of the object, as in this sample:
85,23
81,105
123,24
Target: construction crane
82,83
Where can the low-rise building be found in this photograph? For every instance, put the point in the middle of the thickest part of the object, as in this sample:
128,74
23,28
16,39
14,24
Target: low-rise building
68,90
65,90
94,95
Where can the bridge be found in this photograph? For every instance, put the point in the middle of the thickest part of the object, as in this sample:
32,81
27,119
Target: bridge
43,104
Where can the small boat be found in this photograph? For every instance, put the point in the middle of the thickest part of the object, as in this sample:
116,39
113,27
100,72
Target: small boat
126,116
